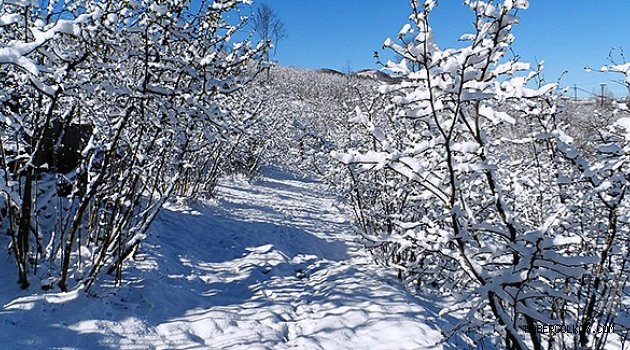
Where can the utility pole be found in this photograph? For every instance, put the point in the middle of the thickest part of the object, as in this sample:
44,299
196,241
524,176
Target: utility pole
603,85
575,92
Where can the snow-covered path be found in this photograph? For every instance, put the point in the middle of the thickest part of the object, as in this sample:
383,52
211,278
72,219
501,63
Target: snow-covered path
271,265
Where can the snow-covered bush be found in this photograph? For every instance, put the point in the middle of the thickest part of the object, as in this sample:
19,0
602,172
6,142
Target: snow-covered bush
471,186
151,92
302,119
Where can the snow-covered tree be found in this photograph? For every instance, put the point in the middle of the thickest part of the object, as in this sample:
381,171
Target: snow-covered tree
151,89
470,185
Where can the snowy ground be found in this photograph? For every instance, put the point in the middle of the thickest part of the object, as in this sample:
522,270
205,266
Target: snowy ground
270,265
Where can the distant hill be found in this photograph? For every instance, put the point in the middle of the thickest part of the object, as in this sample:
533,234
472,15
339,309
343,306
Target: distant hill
330,71
374,74
364,74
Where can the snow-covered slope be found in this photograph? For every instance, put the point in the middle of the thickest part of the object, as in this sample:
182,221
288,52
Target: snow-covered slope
269,265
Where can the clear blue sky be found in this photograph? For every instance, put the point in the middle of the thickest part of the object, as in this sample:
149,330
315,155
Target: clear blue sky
567,34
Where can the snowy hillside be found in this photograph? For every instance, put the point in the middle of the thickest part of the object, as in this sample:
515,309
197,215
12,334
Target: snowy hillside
270,265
